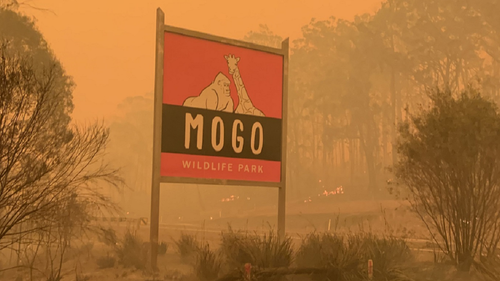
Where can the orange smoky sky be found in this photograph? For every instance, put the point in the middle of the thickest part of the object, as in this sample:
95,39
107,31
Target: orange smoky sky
108,46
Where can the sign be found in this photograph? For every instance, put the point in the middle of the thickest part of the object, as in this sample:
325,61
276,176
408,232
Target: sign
220,115
222,111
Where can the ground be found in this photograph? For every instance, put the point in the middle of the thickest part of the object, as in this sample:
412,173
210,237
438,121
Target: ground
375,216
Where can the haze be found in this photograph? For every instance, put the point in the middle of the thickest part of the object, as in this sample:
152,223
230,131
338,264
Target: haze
391,140
108,46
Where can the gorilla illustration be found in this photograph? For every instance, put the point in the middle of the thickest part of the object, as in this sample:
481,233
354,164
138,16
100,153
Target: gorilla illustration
217,96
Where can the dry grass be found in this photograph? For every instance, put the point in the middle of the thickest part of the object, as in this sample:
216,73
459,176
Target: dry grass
208,264
347,255
263,251
132,252
187,246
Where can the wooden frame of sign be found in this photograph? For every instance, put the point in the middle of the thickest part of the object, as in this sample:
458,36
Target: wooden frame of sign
257,156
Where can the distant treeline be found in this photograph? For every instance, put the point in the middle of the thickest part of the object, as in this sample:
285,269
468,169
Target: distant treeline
352,82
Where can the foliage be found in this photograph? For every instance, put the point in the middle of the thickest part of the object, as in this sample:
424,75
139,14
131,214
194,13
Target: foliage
390,255
130,144
208,264
263,251
187,246
44,162
489,267
264,36
330,251
26,41
108,237
131,252
351,81
449,162
48,168
45,249
105,262
162,248
346,256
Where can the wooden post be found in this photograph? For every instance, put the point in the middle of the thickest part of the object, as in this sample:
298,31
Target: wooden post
248,271
282,189
158,101
370,269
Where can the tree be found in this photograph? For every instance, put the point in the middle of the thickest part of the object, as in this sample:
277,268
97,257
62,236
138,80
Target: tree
333,69
5,4
449,161
26,40
354,79
131,147
44,251
43,160
264,36
15,4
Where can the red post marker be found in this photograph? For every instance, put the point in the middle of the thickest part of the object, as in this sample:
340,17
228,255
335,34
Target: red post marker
370,269
248,271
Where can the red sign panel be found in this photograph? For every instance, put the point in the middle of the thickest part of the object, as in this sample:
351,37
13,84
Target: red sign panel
222,111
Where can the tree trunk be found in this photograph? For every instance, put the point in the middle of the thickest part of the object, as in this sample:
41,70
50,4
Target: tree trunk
394,116
342,154
464,262
351,159
368,148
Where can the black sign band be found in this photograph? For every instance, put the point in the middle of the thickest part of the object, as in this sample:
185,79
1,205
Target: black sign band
196,131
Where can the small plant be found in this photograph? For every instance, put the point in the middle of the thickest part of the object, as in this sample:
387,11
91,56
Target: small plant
236,248
162,248
187,246
108,237
208,264
82,277
173,275
54,277
314,247
346,255
440,257
489,266
131,252
87,248
390,254
270,251
105,262
340,255
265,251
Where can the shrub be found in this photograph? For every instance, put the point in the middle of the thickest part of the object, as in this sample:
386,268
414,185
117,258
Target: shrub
208,264
131,253
87,248
340,255
105,262
108,237
52,277
235,248
309,251
432,271
389,254
265,251
346,256
162,248
270,251
79,277
187,246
